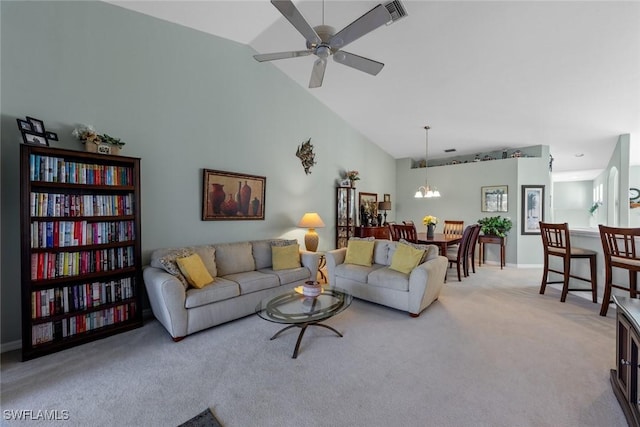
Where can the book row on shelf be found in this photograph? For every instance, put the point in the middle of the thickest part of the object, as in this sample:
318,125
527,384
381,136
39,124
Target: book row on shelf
71,205
59,234
55,169
58,329
47,265
69,299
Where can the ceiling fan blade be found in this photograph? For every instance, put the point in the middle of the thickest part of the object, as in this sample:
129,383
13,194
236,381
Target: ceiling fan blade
361,63
289,11
317,74
281,55
366,23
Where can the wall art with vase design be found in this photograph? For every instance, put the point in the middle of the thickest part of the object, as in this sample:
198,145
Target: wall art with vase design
232,196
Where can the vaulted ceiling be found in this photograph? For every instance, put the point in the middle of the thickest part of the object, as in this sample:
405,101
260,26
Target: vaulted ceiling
484,75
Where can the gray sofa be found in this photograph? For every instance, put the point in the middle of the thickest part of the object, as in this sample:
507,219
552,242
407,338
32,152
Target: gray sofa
411,292
243,275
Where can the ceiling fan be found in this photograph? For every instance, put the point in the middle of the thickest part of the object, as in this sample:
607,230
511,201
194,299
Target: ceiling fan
323,41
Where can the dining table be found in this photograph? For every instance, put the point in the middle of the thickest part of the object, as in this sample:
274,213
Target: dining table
440,239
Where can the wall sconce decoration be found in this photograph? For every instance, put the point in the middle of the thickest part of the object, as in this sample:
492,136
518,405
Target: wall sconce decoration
306,155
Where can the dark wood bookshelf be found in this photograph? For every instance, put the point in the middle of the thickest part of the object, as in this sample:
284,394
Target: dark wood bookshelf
85,304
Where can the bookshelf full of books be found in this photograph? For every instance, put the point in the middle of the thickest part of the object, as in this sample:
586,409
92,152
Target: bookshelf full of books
80,247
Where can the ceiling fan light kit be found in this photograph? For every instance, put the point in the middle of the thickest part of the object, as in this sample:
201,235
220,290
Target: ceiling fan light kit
323,41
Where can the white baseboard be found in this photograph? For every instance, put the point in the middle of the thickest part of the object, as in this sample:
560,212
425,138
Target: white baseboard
10,346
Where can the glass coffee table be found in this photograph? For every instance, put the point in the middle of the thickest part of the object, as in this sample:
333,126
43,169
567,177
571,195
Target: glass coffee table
299,311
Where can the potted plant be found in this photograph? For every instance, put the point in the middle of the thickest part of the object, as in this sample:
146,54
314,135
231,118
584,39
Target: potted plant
495,226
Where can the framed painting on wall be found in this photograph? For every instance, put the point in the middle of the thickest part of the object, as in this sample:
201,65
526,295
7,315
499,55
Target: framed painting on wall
532,208
232,196
368,202
494,199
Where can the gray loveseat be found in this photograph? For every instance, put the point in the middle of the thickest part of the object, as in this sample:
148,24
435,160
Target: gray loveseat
243,275
378,283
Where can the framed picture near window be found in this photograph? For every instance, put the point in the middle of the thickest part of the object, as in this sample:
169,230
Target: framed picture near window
387,198
232,196
532,208
494,198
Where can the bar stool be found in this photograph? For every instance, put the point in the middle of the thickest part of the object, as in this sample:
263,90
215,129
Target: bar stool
619,246
556,242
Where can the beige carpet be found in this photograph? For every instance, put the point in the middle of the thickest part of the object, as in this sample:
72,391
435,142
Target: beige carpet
490,352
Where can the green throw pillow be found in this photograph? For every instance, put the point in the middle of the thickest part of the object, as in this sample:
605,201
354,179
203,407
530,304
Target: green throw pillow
406,258
360,252
285,257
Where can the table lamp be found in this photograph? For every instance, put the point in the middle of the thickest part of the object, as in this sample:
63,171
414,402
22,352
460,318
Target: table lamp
384,206
311,220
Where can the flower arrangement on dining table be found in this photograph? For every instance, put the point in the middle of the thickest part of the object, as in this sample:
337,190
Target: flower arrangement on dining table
429,220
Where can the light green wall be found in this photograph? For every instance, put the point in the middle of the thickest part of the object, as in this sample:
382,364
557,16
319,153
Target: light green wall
571,202
183,101
619,162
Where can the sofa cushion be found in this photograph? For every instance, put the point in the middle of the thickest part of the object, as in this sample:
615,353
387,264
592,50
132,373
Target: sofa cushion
359,252
355,272
166,260
406,258
381,252
431,251
285,257
194,270
289,276
234,258
387,278
219,290
262,250
252,281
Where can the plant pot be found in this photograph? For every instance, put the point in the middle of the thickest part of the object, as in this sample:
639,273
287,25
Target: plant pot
102,148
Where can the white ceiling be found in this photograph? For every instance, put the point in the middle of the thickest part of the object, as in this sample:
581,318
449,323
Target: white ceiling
484,75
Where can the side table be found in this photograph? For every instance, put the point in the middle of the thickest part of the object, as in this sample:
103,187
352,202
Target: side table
482,240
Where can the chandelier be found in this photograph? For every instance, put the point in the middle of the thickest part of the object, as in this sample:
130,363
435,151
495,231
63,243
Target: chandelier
425,191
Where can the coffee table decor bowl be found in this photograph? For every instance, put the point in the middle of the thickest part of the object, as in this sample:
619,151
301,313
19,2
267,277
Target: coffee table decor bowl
296,309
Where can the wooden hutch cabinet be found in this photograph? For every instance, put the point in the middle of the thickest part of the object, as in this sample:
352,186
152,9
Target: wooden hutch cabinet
625,379
377,232
346,215
81,270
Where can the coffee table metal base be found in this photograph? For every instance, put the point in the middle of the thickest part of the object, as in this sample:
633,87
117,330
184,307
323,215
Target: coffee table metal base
303,327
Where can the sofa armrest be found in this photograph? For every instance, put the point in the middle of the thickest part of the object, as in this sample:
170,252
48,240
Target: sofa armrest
425,283
334,258
167,296
311,260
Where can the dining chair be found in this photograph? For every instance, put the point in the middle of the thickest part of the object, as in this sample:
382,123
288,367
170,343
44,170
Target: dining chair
557,243
406,232
453,227
470,257
619,246
458,255
408,222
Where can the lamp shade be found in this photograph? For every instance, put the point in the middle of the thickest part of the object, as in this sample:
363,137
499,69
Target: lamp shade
311,220
384,206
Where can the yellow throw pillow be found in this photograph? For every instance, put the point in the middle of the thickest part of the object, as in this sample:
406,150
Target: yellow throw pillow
360,252
285,257
406,258
194,271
